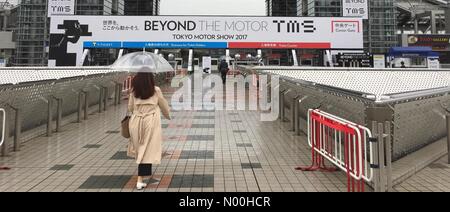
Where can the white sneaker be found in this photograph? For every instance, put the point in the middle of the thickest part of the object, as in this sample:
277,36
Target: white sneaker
140,186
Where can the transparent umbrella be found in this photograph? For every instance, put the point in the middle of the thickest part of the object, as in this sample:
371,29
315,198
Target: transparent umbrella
142,61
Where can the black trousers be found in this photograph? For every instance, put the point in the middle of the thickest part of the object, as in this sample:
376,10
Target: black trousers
144,170
224,77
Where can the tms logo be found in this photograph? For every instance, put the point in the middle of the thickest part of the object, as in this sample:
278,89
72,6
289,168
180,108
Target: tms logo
61,9
306,26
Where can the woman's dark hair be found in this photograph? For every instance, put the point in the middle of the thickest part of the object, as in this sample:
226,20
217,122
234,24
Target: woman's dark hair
143,85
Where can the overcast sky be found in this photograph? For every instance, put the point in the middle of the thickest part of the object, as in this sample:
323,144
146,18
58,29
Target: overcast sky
213,7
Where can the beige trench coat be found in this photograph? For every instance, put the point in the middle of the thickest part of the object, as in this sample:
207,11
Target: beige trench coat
145,127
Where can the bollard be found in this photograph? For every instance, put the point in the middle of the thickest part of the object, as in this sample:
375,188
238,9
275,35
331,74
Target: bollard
282,105
17,129
100,100
294,113
388,155
119,89
448,137
59,114
80,106
105,98
116,94
86,105
49,116
297,116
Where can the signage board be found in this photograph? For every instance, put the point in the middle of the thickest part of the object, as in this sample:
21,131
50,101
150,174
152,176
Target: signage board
70,34
61,7
379,61
355,8
436,42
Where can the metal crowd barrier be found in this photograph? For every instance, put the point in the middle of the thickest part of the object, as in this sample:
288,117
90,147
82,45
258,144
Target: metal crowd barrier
29,97
410,104
2,138
344,144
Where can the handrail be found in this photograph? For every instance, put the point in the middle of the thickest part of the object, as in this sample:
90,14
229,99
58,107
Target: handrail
3,126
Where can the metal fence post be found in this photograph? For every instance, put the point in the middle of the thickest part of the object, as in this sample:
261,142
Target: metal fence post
388,147
100,100
105,98
116,94
293,114
49,116
447,118
381,158
376,161
80,106
17,129
282,109
59,109
282,105
297,116
86,105
119,90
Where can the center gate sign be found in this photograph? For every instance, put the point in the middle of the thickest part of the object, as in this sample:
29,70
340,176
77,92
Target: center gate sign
69,35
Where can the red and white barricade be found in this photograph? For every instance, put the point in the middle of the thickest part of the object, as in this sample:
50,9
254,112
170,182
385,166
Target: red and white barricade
3,122
344,144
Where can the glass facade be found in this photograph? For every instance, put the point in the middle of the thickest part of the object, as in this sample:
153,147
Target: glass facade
322,8
32,35
142,7
379,30
281,7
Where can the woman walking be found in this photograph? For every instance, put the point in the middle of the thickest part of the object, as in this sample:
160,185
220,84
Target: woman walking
146,103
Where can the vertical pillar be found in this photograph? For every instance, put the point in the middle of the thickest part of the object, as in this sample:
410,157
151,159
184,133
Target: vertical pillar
433,22
119,90
86,105
80,106
282,105
447,20
297,116
100,100
381,158
294,113
49,116
105,98
376,162
17,129
294,56
191,60
59,109
388,147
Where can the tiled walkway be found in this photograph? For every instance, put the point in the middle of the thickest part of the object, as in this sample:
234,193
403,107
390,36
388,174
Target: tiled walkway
434,178
203,151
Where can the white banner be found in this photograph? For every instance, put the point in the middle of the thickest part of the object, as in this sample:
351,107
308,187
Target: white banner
355,8
61,7
70,34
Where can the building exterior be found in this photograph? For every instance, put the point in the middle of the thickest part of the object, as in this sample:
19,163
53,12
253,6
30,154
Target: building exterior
142,7
32,35
379,31
8,20
281,8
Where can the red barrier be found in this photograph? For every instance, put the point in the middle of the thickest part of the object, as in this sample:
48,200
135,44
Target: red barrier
327,135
